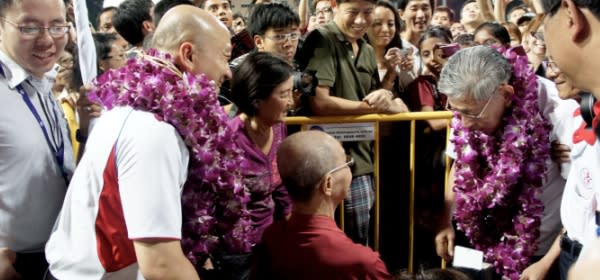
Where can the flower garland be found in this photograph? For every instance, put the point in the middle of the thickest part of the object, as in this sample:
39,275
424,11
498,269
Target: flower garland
498,177
213,198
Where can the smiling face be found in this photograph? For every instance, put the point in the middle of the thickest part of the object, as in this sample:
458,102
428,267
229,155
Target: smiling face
417,15
384,27
36,54
354,18
430,56
471,13
482,115
275,108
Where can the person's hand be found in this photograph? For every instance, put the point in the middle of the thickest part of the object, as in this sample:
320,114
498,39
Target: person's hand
444,243
86,110
536,271
408,60
380,99
392,58
7,260
560,153
70,98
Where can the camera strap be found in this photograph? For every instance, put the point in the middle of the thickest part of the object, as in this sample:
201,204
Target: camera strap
587,108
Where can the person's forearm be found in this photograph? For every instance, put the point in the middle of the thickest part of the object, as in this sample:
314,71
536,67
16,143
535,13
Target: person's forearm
553,253
449,199
486,9
331,105
303,13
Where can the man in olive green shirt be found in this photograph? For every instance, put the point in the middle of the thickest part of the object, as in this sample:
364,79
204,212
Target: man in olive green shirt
348,84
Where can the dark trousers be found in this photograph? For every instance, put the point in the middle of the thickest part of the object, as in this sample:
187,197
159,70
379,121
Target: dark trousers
229,267
569,252
31,265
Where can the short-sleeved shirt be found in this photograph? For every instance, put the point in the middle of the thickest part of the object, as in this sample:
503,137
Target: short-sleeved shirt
554,110
313,247
32,186
329,54
582,192
126,187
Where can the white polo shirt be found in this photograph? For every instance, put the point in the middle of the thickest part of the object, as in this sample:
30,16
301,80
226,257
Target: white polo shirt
582,191
32,187
126,187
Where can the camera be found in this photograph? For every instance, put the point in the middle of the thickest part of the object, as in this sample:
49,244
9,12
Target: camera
305,82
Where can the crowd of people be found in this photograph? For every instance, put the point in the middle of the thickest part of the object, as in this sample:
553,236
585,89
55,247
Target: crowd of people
175,162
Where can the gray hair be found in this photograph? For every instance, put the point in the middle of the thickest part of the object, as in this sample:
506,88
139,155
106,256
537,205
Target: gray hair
474,72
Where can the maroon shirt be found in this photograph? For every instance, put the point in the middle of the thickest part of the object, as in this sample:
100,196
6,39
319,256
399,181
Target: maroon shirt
313,247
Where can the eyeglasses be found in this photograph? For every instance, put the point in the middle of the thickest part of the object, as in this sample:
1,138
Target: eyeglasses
56,31
349,162
471,116
293,36
326,10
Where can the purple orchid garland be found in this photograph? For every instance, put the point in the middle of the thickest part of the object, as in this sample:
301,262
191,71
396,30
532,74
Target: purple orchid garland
213,198
498,177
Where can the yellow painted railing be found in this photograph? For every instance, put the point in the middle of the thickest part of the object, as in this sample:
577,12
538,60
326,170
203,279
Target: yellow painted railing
376,119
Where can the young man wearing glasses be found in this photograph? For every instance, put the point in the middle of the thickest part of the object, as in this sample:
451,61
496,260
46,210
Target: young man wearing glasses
488,103
34,141
309,245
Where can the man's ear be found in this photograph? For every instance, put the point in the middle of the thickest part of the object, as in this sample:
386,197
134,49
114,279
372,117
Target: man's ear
326,186
185,57
507,92
147,27
259,42
578,25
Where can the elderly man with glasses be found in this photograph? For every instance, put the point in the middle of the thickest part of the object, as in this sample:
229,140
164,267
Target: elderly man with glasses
35,149
504,191
309,245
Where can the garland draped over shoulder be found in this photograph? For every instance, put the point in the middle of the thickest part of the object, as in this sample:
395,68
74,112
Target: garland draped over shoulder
498,178
213,198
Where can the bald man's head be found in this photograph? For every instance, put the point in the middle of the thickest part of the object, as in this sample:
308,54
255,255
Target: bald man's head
303,159
185,24
197,40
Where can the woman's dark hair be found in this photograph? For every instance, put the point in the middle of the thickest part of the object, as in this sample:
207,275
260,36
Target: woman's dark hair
497,30
103,42
396,40
440,32
255,79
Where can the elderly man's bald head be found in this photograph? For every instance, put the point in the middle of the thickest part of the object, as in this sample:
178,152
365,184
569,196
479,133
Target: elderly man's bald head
304,158
184,23
199,43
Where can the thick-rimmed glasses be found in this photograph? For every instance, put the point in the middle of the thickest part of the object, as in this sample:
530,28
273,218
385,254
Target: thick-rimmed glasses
293,36
326,10
349,162
56,31
471,116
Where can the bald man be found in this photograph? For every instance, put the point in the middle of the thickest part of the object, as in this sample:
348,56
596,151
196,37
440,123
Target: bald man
316,173
121,218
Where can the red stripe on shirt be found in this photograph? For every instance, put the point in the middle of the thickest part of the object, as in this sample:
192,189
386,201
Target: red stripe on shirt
115,249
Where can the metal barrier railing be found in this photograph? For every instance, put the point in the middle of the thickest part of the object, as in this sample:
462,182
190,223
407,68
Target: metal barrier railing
376,119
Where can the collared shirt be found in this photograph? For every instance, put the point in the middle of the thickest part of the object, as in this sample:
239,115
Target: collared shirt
32,187
329,54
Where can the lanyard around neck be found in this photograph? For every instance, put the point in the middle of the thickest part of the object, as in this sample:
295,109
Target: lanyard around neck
57,151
